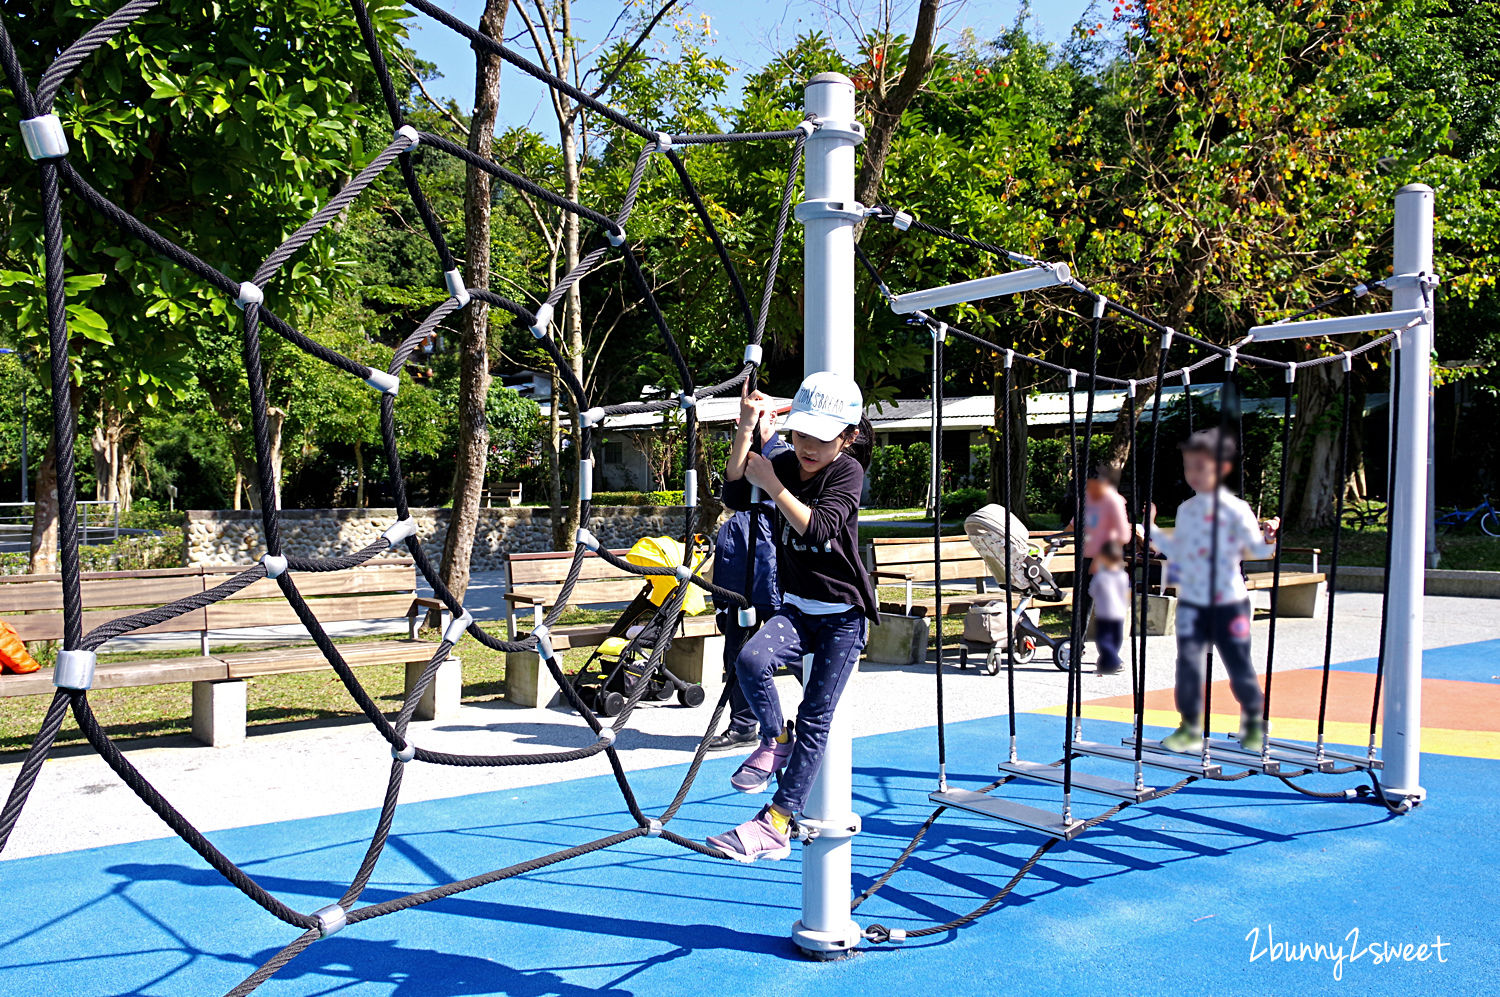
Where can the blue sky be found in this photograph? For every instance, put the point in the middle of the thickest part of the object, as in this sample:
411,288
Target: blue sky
746,33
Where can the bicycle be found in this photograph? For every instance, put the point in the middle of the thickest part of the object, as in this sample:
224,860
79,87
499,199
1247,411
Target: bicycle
1369,514
1487,514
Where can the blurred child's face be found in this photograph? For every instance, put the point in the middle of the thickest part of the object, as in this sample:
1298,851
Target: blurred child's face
1198,468
814,454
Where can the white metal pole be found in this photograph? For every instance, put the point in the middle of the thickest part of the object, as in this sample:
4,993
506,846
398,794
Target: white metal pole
828,217
1401,743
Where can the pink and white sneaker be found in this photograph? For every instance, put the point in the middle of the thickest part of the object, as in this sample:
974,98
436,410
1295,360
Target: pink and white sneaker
757,771
757,838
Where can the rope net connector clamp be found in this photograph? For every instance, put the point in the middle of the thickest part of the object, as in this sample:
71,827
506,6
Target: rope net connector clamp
1291,373
74,670
807,126
1231,358
400,530
44,137
1100,304
607,736
682,572
543,635
589,418
331,920
753,354
249,294
1187,377
939,332
586,539
615,236
685,401
410,134
653,827
1360,290
542,320
1072,379
1167,337
383,381
456,627
453,280
690,488
901,221
586,479
275,565
1347,359
404,755
747,617
663,142
1010,358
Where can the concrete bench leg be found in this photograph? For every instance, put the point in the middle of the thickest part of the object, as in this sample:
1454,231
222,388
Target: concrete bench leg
1301,601
898,640
441,698
1161,615
219,712
528,682
699,660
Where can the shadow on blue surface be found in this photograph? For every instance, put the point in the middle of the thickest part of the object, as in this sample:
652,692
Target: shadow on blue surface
646,918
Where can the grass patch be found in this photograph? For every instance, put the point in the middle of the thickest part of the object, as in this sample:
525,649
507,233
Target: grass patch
1366,548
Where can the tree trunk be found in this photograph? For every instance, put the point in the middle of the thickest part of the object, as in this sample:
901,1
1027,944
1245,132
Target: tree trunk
474,380
554,459
359,474
566,526
239,487
1313,475
44,514
1018,463
888,105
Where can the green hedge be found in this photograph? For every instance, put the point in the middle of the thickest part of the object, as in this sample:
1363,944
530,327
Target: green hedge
126,554
638,498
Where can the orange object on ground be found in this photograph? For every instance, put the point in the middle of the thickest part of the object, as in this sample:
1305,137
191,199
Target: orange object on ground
13,654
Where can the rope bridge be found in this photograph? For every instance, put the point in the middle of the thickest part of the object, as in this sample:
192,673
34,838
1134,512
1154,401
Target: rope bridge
46,141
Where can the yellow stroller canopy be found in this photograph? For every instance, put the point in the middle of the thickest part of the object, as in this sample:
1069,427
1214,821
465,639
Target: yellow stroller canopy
665,552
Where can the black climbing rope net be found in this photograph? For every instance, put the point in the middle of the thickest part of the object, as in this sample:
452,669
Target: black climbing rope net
58,177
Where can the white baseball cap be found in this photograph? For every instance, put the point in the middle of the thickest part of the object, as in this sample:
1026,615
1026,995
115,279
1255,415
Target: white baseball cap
825,405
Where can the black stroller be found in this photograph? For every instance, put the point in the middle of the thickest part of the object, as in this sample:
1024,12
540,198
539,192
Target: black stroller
619,664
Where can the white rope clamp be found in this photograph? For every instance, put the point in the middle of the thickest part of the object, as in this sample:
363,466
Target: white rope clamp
74,670
587,539
404,755
542,321
1348,361
250,294
653,827
1010,358
454,631
331,919
453,280
1130,388
747,616
607,736
685,401
589,418
1360,290
1166,338
543,635
753,354
383,381
663,142
939,332
275,565
690,488
400,530
901,221
615,238
807,126
586,479
1072,379
1100,303
683,572
410,134
1187,377
1291,373
1231,358
44,137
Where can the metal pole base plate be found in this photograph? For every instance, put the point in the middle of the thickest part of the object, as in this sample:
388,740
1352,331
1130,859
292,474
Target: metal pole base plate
825,946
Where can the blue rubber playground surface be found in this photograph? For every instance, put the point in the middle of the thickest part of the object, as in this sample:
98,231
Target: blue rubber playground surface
1221,888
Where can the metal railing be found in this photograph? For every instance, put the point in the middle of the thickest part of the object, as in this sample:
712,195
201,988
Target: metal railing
98,523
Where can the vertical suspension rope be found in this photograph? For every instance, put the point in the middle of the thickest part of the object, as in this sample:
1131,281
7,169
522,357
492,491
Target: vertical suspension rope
1137,620
1286,463
1390,539
1088,464
1140,690
1010,613
1213,575
1333,565
938,339
1073,632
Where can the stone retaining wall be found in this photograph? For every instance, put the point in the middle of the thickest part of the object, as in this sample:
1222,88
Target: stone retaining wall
216,536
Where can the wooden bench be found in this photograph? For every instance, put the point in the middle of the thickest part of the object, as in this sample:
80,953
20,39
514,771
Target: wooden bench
381,590
535,581
507,493
910,560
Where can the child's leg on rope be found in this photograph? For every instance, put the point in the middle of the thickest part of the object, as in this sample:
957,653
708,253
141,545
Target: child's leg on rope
1192,659
836,640
1232,638
777,644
